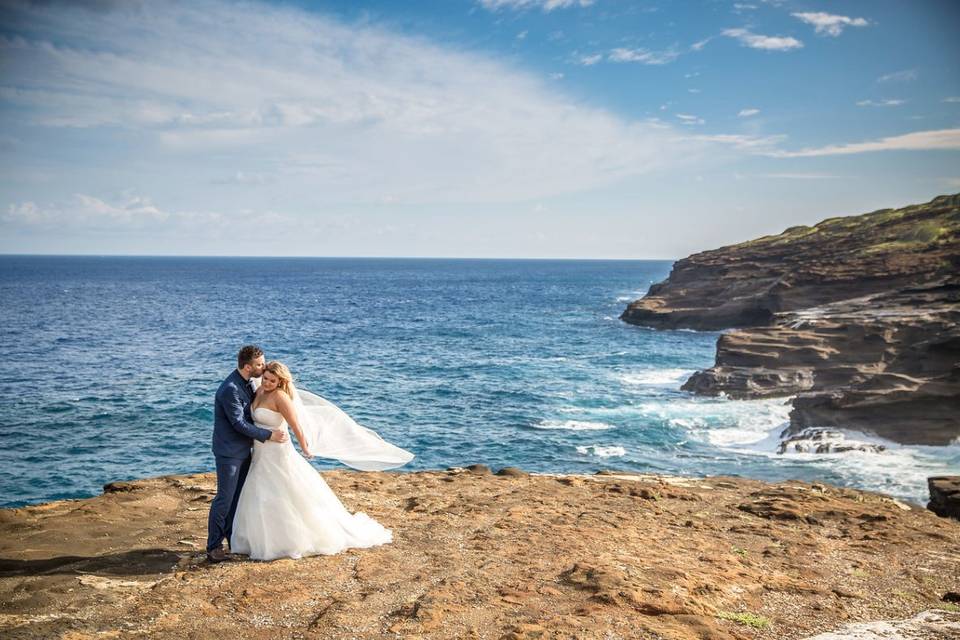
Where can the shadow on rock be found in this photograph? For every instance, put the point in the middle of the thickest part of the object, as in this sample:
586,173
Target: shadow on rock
129,563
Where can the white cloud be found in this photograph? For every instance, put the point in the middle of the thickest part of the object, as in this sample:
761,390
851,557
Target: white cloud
543,5
556,76
322,112
787,176
88,211
642,56
689,119
767,43
129,212
589,60
942,139
697,46
798,176
746,113
880,103
899,76
245,177
753,144
828,23
952,99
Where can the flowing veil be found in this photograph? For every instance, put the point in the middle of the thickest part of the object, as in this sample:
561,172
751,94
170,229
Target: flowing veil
331,433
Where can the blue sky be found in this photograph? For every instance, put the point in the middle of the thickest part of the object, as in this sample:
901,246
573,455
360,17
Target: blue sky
484,128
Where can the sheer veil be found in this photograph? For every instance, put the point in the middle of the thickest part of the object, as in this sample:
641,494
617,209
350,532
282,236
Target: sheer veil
331,433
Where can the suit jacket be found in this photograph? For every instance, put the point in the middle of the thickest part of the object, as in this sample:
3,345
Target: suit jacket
233,427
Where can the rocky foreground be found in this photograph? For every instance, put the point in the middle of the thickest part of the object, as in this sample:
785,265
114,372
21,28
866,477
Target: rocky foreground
477,555
858,317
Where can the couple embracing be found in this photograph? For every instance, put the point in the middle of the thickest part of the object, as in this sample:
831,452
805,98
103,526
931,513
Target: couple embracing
271,503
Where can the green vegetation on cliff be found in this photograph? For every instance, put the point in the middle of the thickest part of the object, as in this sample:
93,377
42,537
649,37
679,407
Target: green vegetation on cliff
929,228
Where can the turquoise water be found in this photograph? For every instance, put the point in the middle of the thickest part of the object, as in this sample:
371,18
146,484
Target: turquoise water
112,364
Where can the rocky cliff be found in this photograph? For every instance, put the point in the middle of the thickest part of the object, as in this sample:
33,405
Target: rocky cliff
478,555
858,317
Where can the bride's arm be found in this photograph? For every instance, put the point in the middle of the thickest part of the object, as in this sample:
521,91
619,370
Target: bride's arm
289,413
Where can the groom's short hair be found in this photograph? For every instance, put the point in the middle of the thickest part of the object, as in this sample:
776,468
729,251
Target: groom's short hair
248,354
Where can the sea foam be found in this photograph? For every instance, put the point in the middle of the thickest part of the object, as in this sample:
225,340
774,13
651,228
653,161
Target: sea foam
613,451
655,377
574,425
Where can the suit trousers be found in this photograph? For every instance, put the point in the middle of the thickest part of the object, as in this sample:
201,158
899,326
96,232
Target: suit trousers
231,474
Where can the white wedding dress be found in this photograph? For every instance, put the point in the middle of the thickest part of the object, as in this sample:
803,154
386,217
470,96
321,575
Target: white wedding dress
287,510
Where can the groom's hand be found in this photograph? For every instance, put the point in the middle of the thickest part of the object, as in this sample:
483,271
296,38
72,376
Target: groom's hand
278,435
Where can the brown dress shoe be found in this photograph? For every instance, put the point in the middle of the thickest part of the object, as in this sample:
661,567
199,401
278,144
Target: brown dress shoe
217,555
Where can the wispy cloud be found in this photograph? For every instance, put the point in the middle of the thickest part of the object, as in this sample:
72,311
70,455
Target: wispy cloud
798,176
829,24
942,139
700,44
767,43
128,212
787,176
746,113
87,211
589,59
952,99
244,177
543,5
881,103
643,56
899,76
627,55
753,144
321,111
689,119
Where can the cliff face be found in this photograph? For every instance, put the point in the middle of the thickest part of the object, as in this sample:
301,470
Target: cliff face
477,555
860,316
747,284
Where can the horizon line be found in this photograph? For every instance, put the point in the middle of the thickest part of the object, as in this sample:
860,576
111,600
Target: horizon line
308,257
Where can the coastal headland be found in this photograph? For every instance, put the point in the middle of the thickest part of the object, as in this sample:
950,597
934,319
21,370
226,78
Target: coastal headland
482,555
857,318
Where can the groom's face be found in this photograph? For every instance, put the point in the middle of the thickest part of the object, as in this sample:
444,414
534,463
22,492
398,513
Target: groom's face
257,366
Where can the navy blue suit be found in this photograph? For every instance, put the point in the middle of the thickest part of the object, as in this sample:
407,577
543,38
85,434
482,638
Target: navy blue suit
233,435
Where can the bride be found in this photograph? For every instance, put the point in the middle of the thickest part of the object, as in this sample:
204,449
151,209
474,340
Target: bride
286,509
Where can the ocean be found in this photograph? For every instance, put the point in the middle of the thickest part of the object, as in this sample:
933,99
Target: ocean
112,363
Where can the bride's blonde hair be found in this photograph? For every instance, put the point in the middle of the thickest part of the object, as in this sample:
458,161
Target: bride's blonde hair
280,370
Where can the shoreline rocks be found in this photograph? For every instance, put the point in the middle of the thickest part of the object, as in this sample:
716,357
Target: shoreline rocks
857,318
945,496
824,441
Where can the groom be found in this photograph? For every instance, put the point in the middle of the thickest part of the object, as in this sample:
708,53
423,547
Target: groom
233,435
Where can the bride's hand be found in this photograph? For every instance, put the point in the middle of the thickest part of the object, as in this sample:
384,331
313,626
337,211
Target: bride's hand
307,454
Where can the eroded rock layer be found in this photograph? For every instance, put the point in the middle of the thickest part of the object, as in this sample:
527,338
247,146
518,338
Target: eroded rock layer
857,317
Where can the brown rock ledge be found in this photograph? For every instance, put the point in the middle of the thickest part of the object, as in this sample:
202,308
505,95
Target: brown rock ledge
859,317
478,555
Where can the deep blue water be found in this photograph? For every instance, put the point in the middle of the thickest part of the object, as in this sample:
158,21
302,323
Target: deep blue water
112,363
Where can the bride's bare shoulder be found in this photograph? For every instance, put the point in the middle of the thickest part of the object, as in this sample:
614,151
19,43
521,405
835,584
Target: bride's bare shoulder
283,399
